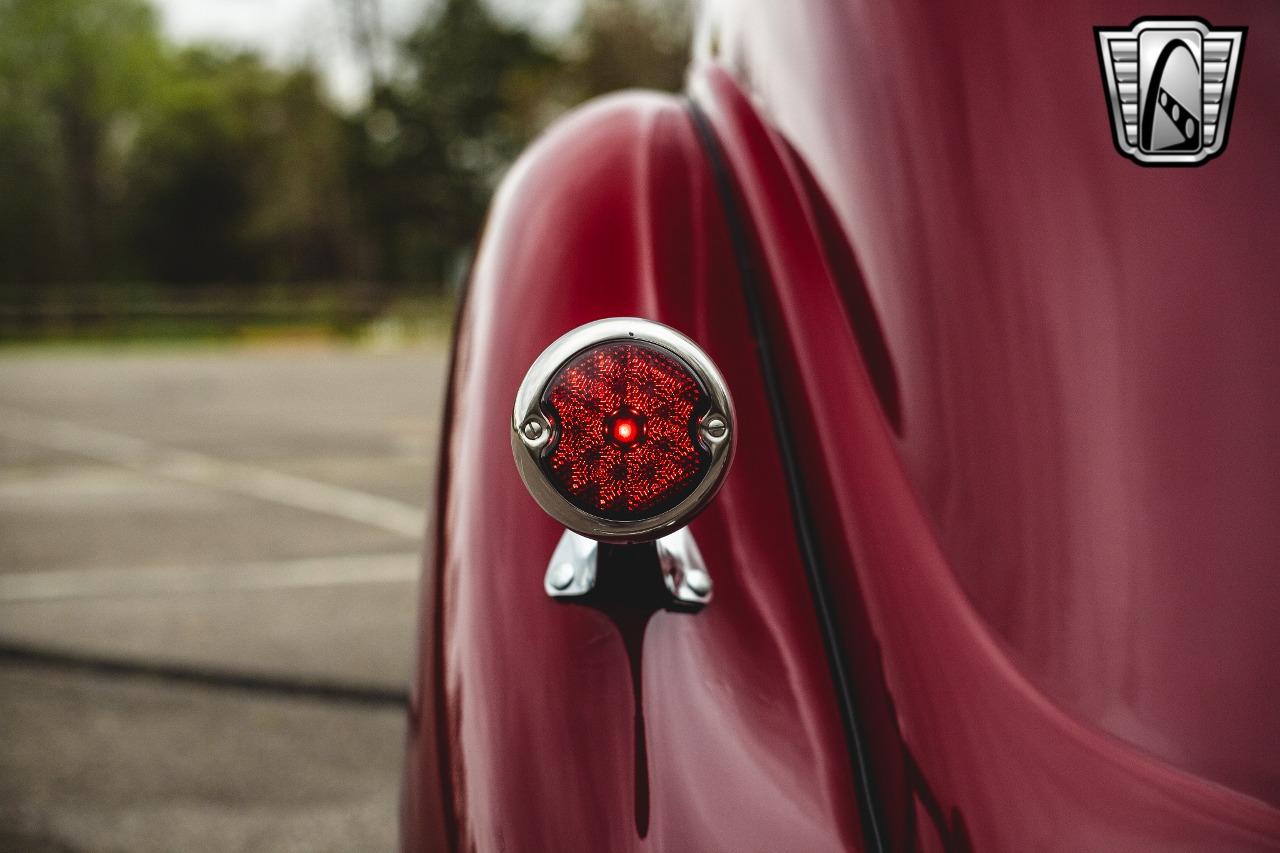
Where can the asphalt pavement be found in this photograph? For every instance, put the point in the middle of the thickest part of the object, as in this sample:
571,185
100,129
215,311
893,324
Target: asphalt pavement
208,582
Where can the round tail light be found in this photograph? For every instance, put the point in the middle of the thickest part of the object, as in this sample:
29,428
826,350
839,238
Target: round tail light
623,430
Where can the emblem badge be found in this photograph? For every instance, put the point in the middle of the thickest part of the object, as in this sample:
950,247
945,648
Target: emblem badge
1170,84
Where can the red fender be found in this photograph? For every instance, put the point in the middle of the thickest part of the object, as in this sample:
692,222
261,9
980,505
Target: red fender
522,726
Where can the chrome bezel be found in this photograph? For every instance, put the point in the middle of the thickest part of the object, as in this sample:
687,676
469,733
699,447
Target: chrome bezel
532,428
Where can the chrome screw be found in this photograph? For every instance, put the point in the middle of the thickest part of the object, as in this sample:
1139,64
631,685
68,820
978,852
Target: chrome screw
715,427
533,431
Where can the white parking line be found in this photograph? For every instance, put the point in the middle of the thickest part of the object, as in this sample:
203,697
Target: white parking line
176,580
253,480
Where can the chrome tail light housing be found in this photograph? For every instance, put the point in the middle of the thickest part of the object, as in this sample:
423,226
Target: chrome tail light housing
623,430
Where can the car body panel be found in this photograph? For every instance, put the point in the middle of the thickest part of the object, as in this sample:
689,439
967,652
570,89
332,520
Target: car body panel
614,214
1028,387
991,763
1085,348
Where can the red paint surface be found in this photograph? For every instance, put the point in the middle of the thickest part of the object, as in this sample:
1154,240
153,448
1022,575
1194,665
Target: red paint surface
1036,386
1063,551
534,699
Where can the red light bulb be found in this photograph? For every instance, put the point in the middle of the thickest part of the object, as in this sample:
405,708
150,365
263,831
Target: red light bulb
625,430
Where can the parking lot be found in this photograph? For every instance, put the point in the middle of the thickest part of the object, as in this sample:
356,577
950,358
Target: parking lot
208,571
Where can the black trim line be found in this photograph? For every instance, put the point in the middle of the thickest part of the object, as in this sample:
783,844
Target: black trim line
801,517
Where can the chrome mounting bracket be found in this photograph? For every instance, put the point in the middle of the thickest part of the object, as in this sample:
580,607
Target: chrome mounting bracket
577,563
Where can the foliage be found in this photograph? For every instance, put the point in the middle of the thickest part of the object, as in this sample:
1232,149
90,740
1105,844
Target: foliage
126,159
237,174
436,139
620,44
74,75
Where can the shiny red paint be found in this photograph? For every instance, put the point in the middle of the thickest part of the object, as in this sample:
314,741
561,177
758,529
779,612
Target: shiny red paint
1034,386
996,762
524,706
1061,541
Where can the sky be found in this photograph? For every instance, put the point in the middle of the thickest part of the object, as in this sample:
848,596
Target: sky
289,30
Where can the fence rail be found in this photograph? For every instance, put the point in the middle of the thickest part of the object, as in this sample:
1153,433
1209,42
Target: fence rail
213,318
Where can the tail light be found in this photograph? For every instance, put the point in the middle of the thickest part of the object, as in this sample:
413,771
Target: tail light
623,430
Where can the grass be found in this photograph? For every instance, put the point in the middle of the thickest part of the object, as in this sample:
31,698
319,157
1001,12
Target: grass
269,316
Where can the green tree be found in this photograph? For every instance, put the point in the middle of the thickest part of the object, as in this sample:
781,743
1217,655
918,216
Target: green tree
124,158
73,76
472,93
189,188
238,176
623,44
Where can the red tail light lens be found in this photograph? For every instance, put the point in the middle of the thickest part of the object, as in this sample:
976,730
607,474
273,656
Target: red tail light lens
626,419
623,430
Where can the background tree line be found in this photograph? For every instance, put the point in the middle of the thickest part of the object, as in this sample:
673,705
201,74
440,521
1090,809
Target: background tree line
127,161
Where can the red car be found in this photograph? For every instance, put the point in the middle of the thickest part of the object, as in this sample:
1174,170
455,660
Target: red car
946,515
